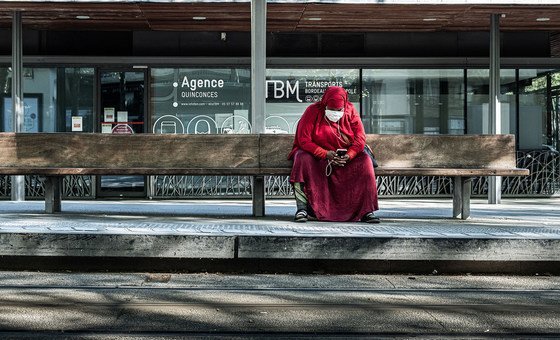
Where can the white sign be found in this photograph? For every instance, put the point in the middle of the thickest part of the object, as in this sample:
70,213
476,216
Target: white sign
109,114
122,116
106,128
77,123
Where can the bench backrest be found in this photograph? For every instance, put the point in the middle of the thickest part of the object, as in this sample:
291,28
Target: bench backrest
231,152
95,150
416,151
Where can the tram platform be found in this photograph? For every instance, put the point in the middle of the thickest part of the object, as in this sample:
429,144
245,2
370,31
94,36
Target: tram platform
517,235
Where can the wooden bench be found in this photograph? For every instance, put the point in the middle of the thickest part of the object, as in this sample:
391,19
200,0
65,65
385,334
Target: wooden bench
459,156
55,155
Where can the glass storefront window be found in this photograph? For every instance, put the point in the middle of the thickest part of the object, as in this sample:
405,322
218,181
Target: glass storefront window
39,100
188,100
48,108
539,100
77,104
553,120
413,101
291,91
5,81
5,92
478,87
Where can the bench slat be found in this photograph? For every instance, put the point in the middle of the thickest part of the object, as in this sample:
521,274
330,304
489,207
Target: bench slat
415,151
108,151
444,151
450,172
384,171
128,171
263,171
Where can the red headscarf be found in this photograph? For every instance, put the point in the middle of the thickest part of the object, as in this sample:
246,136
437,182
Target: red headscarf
334,97
317,135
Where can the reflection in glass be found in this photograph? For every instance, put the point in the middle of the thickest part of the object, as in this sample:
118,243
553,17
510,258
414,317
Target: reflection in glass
291,91
539,97
5,81
200,101
77,102
478,87
122,112
122,102
413,101
46,108
39,99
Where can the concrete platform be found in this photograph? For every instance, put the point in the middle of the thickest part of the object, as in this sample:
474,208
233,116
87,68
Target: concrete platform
519,230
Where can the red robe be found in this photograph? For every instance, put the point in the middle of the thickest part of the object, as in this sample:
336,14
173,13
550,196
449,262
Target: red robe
350,191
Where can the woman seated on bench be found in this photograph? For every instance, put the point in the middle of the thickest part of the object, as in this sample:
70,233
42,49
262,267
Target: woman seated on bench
333,177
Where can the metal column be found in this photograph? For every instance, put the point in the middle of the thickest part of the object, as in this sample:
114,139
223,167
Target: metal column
495,123
258,64
18,182
258,87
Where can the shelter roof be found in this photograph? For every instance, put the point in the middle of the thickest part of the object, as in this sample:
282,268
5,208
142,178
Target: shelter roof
285,16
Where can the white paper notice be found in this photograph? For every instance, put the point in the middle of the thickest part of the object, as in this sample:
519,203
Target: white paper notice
122,116
109,114
106,128
77,123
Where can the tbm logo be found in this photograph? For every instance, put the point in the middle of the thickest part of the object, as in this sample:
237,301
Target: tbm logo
283,90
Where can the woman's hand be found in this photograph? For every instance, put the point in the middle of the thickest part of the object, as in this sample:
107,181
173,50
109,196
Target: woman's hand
337,160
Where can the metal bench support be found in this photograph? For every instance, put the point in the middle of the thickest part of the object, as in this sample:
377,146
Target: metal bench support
52,194
462,197
258,196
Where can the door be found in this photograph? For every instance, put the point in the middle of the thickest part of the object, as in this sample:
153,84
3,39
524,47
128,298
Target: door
122,110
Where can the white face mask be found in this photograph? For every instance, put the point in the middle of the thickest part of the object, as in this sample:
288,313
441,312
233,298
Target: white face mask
334,116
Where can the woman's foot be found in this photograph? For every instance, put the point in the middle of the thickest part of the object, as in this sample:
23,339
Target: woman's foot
301,216
370,218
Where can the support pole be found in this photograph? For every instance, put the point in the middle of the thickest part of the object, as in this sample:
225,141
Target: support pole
258,87
258,64
495,124
18,182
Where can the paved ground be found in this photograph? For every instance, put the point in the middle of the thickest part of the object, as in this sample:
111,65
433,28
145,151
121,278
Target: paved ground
136,305
521,232
514,218
518,236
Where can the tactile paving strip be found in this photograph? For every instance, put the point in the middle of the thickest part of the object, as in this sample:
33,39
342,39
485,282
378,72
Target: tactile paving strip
450,230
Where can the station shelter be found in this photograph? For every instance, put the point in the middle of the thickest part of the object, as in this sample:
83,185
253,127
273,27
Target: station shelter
184,67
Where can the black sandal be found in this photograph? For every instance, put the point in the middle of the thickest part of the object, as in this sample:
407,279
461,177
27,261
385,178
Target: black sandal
370,218
301,216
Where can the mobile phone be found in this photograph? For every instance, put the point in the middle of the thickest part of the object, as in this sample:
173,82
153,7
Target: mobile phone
341,152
